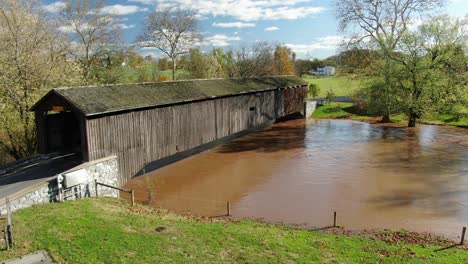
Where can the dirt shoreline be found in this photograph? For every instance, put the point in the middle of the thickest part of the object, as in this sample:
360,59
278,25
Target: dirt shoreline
388,236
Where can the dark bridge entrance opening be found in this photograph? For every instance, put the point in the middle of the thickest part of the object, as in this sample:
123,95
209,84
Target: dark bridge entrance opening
58,126
63,132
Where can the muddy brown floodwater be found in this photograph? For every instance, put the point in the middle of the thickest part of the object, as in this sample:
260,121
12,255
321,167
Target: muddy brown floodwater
300,172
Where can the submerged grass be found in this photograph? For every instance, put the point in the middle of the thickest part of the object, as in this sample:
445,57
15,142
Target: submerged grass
109,231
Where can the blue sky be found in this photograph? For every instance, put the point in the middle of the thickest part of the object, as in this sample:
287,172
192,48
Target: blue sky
309,27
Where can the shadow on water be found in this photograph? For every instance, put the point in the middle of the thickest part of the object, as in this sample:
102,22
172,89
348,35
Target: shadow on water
282,137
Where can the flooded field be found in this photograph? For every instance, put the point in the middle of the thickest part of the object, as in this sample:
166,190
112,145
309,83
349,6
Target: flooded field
300,172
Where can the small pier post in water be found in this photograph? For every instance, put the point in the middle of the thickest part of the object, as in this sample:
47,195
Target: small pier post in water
334,219
462,240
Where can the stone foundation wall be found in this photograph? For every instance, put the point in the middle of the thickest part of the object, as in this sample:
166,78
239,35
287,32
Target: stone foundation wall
309,108
105,171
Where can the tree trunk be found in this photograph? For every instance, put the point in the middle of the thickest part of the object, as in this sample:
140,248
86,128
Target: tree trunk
412,120
385,118
173,68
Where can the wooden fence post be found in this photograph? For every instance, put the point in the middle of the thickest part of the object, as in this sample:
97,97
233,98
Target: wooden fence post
133,197
9,224
95,187
228,207
5,236
463,236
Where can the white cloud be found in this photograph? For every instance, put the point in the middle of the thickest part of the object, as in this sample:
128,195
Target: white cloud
244,10
120,10
271,28
220,40
233,25
124,26
321,43
54,7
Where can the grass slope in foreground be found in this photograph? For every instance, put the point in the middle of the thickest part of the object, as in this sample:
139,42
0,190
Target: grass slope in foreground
109,231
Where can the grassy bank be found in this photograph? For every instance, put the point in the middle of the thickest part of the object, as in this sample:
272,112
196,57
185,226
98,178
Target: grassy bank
340,110
342,86
108,231
446,119
347,110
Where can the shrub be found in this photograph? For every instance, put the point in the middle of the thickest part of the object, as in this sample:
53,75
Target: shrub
330,95
163,78
314,90
360,107
143,75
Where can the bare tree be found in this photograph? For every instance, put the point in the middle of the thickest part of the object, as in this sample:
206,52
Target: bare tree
32,59
173,32
91,30
381,24
257,60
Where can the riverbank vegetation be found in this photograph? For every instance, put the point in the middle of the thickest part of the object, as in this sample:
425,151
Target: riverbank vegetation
110,231
352,111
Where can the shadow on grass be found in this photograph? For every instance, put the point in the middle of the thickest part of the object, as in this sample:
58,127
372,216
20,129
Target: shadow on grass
330,110
446,248
323,228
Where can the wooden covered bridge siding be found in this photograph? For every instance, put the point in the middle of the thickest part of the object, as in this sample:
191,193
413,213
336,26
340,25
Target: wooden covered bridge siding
143,136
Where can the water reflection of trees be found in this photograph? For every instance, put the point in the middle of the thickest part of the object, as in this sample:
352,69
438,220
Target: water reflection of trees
424,158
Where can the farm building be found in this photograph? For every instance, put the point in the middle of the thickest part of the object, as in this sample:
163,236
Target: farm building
140,123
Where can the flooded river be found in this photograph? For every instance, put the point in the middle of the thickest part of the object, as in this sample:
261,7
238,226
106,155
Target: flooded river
300,172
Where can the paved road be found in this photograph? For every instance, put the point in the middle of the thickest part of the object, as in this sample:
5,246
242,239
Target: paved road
38,172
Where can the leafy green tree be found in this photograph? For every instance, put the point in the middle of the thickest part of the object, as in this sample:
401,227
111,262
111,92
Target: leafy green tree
163,64
209,65
330,96
376,103
431,69
314,90
382,25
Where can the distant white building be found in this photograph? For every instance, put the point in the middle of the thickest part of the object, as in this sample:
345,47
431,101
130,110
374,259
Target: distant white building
324,71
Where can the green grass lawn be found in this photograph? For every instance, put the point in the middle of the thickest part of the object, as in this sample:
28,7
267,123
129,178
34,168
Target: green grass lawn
342,86
109,231
446,119
339,110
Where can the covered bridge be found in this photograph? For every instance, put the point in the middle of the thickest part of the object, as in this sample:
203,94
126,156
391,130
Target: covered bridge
140,123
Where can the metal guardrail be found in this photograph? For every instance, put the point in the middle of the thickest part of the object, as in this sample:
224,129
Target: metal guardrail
132,192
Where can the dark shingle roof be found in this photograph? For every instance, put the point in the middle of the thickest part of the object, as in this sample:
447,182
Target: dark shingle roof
93,100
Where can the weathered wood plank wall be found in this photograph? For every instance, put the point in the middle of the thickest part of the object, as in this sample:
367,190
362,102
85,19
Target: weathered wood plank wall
139,137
